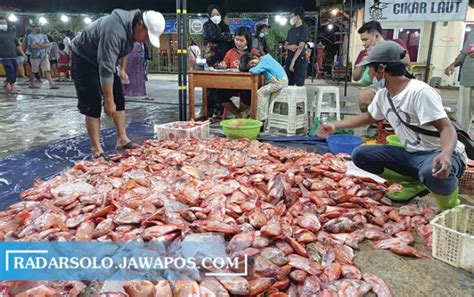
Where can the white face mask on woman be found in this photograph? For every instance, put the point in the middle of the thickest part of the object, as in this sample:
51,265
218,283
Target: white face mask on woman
3,27
216,19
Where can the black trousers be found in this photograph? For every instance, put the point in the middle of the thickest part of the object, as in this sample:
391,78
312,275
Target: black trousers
297,77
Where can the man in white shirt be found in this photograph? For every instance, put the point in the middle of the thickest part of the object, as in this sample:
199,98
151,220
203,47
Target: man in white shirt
66,42
436,162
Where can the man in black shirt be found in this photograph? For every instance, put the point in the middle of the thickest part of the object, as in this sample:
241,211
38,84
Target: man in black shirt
296,65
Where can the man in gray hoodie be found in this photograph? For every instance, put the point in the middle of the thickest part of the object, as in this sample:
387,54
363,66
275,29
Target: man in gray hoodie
96,53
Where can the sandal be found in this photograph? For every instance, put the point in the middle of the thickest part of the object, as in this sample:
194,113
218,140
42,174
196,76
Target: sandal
102,155
129,145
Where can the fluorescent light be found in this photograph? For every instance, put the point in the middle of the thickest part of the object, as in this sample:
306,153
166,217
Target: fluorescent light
64,18
277,18
401,30
87,20
408,32
42,20
283,21
330,27
12,18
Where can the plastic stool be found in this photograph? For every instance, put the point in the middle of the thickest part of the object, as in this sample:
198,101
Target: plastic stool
320,105
288,110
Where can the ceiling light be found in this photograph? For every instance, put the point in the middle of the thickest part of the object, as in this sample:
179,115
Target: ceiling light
42,20
64,18
334,11
283,21
12,18
87,20
330,27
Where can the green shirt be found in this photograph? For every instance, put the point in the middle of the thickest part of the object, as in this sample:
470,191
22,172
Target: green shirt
467,71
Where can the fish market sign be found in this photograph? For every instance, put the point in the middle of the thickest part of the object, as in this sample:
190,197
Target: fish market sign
409,11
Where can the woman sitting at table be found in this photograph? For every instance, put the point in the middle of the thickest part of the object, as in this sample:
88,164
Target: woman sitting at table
243,45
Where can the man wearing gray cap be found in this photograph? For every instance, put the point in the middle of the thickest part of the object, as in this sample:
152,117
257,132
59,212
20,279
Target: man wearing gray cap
435,162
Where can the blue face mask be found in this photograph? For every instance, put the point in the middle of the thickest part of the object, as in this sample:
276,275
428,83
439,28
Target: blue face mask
3,27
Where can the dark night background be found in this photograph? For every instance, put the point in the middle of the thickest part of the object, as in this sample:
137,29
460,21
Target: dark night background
166,6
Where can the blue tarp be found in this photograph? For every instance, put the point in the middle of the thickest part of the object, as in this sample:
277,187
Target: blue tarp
19,171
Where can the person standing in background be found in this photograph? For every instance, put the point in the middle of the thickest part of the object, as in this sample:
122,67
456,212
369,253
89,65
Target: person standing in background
296,66
135,86
63,63
21,60
465,105
217,41
66,41
260,41
53,53
194,53
9,49
39,56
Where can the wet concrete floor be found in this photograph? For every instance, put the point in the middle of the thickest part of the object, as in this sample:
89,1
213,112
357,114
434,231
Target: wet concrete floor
43,116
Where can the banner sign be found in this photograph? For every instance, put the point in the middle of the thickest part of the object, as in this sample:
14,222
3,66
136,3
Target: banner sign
415,11
171,26
118,261
196,26
235,23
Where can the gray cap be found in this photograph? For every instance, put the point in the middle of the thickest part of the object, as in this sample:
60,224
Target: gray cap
384,52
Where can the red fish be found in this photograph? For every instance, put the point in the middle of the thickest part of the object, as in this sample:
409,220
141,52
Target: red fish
378,285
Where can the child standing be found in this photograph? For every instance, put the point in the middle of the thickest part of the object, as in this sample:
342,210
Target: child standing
63,62
275,78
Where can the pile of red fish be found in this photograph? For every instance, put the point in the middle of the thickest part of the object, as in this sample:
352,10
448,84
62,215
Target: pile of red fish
297,215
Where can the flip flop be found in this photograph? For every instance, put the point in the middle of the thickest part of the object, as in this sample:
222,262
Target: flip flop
129,145
105,156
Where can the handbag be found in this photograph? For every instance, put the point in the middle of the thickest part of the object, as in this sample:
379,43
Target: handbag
463,136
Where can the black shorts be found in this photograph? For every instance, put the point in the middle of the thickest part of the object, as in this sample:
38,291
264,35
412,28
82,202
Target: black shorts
88,89
53,62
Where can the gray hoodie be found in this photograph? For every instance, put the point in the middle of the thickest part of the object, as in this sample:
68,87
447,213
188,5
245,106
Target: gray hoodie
105,41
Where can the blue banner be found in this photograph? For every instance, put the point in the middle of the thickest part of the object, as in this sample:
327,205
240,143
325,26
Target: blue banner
116,261
236,23
171,26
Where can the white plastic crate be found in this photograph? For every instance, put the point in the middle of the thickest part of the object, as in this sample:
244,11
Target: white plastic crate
453,237
175,130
